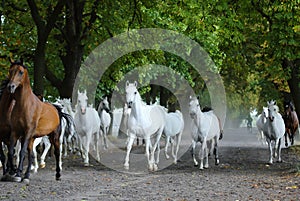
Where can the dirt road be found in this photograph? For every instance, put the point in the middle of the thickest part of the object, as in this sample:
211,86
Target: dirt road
243,174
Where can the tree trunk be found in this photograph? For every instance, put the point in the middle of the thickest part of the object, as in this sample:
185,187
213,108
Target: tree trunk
39,68
71,62
294,82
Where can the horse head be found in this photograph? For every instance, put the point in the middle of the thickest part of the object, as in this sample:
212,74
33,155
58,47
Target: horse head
82,102
272,110
193,106
105,104
131,93
18,75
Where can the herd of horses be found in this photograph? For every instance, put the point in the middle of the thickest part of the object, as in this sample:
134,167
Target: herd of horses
26,121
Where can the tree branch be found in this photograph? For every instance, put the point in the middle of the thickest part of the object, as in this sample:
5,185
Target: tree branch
259,9
52,78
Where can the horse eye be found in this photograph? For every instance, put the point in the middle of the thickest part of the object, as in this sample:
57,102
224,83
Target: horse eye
21,73
135,92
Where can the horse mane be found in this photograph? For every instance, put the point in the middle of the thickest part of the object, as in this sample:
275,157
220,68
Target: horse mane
206,109
3,86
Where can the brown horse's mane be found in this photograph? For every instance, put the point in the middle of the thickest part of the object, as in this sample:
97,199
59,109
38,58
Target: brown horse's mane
3,86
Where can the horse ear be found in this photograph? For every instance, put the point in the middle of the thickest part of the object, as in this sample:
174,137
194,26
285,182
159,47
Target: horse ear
21,61
135,83
84,92
274,102
127,83
11,60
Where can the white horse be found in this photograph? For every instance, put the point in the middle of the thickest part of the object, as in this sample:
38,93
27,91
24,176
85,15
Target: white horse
70,137
206,130
40,140
87,124
260,124
144,121
274,130
173,131
103,111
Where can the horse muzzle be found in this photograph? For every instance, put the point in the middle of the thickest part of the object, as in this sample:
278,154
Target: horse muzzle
192,115
11,87
271,119
129,104
83,110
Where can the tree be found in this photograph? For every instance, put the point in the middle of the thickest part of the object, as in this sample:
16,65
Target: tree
44,26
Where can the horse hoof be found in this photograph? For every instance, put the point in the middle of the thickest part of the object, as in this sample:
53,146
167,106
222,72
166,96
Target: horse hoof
16,179
201,168
5,177
217,162
86,164
26,181
155,167
58,179
42,165
126,167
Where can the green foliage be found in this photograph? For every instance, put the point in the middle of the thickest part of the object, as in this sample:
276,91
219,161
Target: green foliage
247,41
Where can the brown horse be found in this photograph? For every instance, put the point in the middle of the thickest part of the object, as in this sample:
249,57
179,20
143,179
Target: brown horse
30,118
291,122
6,105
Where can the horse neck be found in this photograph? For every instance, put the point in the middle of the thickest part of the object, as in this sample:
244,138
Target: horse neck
23,93
199,116
137,106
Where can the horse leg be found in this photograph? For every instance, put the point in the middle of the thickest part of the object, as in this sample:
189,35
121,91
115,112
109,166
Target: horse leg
47,147
87,148
157,154
291,136
17,151
201,153
24,145
278,147
35,144
177,146
130,141
105,137
193,152
166,146
3,162
216,152
153,166
10,155
30,158
271,151
173,144
206,153
55,140
97,138
285,137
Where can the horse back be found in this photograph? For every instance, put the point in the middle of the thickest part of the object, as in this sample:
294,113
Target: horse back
210,125
48,120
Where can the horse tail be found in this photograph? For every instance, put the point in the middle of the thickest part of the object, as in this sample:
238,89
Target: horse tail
70,128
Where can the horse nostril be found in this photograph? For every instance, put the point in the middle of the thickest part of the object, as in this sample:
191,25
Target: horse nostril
11,88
